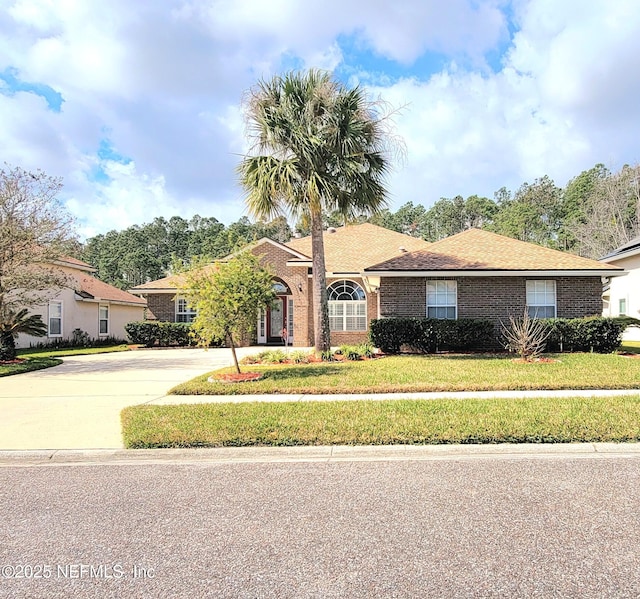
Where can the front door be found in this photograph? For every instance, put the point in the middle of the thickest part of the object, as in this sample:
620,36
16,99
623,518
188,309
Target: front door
276,317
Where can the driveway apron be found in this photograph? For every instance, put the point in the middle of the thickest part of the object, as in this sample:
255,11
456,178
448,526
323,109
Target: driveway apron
77,405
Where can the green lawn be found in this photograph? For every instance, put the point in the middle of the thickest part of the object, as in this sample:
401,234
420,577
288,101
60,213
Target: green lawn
400,374
72,351
612,419
36,359
632,347
28,366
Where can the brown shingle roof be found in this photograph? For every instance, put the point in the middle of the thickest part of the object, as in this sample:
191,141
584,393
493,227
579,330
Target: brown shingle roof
479,250
90,287
170,282
352,248
75,263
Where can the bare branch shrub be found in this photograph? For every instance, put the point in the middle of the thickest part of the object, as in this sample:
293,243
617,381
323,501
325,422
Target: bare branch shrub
525,336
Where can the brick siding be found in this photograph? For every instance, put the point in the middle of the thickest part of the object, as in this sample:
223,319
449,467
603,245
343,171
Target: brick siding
296,278
162,305
493,298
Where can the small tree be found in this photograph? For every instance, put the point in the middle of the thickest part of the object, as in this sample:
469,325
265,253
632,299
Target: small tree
228,297
35,231
525,336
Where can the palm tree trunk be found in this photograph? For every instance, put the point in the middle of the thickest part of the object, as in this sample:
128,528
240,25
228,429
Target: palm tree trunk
321,333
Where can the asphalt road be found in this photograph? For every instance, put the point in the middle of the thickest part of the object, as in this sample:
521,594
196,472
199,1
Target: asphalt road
466,527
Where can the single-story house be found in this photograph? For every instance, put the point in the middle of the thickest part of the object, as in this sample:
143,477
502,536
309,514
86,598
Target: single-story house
622,294
88,304
376,273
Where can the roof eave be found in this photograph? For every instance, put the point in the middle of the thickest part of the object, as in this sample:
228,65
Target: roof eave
625,254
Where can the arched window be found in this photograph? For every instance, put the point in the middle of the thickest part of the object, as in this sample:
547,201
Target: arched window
347,306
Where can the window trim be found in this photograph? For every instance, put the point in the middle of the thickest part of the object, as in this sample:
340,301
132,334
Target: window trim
187,315
446,293
622,311
50,318
101,320
545,305
354,304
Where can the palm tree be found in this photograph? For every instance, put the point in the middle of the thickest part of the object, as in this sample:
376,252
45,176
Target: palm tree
12,323
317,147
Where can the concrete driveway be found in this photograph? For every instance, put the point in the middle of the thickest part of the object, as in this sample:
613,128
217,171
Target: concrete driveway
77,405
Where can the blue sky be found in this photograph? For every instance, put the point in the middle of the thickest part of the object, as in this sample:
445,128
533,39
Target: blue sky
137,105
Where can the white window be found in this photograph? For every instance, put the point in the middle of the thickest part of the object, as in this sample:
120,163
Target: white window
55,319
442,299
184,313
347,306
622,306
103,320
541,299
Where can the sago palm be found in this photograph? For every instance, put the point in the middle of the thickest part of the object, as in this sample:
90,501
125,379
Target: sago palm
13,323
317,147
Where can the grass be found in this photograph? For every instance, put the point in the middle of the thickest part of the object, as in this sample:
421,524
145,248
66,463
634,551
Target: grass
28,366
632,347
566,420
71,351
401,374
37,359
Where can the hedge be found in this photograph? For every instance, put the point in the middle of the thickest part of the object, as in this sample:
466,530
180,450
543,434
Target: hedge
594,334
428,335
152,332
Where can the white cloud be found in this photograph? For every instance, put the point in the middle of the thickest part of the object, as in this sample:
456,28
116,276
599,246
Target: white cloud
163,82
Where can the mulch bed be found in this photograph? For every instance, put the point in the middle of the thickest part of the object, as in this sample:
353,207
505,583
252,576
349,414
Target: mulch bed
235,377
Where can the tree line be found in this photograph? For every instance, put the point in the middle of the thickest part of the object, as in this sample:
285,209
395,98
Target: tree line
142,253
596,212
593,214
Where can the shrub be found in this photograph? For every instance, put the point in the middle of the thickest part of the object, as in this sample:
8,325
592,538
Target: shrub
350,352
272,356
366,350
427,335
78,339
252,359
526,336
152,332
299,357
465,334
592,334
327,356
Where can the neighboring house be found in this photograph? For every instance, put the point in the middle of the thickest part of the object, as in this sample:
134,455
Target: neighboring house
622,294
98,309
374,273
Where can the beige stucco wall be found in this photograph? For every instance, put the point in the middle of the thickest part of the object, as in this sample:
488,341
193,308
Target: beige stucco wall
626,287
82,314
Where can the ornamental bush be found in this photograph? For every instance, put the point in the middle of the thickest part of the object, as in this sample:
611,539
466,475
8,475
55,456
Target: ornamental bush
164,334
592,334
428,335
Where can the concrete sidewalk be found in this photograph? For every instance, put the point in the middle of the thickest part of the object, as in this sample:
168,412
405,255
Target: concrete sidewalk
195,399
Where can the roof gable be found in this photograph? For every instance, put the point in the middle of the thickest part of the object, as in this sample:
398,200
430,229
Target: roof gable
351,248
479,250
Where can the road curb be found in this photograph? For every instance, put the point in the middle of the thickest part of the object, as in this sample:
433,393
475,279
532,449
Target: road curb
338,453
